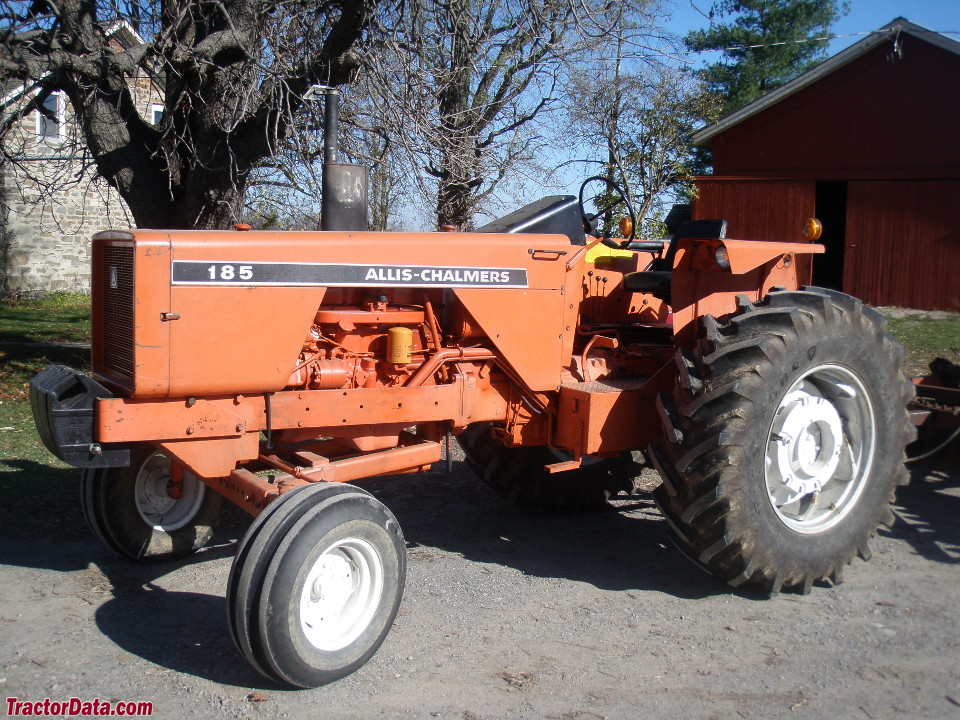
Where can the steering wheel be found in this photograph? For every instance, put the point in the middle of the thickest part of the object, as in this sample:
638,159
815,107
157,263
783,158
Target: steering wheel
620,200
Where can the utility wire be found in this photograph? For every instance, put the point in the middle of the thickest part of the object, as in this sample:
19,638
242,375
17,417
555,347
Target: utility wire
808,40
677,53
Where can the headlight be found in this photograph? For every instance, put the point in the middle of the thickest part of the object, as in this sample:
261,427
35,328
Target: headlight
721,257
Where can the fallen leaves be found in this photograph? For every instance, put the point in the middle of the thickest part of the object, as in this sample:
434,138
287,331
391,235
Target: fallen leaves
518,680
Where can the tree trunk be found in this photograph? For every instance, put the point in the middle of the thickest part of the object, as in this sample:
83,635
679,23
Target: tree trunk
457,176
455,204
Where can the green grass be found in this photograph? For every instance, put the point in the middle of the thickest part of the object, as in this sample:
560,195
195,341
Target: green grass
33,483
18,438
926,338
37,489
55,318
39,492
18,364
26,467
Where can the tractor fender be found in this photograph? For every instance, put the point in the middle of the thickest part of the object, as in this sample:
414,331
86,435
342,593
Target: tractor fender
709,275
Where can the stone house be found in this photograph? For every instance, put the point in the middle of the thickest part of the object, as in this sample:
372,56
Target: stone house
51,201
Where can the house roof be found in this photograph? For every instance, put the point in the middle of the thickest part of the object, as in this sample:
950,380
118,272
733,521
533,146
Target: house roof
120,30
894,28
10,88
124,32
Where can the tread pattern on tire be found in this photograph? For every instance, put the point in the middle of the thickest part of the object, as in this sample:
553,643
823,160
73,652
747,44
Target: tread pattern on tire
717,412
261,539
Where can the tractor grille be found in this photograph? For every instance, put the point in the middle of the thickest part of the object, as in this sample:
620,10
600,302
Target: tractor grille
117,289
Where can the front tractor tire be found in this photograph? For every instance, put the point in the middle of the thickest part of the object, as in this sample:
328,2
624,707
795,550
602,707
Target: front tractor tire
784,440
135,512
518,474
316,584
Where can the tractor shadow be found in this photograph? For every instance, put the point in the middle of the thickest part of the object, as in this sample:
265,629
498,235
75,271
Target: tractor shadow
927,513
621,549
40,517
186,630
43,528
625,547
179,630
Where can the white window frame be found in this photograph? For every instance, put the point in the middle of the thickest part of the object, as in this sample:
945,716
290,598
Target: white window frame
61,115
154,109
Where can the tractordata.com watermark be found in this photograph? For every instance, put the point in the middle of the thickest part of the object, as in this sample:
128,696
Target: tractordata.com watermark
75,707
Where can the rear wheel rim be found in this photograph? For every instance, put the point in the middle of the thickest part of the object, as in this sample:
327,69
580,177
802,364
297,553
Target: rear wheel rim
153,500
820,449
341,594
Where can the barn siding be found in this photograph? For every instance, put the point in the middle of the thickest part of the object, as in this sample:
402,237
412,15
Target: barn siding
903,243
870,119
757,209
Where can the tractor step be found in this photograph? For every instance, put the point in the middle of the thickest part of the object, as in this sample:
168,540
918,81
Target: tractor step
563,466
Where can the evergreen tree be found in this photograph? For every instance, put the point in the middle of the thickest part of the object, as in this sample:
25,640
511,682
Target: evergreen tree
765,44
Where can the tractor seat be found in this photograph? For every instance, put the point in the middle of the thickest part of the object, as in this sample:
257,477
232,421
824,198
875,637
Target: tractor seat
656,280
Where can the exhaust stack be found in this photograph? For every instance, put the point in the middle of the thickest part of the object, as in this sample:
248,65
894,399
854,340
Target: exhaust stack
343,205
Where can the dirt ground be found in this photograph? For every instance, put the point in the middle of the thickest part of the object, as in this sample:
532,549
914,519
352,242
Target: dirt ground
506,615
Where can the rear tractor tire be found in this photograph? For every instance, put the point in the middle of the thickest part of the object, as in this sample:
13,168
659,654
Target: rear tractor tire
784,440
133,511
517,473
316,584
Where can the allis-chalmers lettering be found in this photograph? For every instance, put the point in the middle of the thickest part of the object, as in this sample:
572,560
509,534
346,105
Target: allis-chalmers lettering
446,276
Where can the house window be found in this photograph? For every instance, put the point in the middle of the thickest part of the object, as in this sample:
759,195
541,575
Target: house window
50,122
156,114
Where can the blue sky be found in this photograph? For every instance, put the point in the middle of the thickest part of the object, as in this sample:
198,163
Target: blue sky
864,17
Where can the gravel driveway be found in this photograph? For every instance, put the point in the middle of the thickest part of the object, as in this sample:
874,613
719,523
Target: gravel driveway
506,615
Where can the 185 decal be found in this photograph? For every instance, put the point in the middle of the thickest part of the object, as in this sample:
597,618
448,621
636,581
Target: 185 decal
229,272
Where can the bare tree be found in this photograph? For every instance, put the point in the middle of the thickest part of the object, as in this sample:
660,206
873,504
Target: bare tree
388,184
233,75
459,83
638,120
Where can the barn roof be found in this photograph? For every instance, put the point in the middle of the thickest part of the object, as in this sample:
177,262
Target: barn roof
893,29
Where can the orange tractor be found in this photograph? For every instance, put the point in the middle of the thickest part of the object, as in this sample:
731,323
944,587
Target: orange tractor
269,368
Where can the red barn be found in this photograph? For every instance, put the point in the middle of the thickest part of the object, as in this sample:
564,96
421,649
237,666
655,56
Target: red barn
869,142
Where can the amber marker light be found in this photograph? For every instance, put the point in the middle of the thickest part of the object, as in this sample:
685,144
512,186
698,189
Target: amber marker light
812,229
626,227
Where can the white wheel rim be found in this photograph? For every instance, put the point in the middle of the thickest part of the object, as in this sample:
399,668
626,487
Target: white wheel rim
340,594
152,496
820,449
